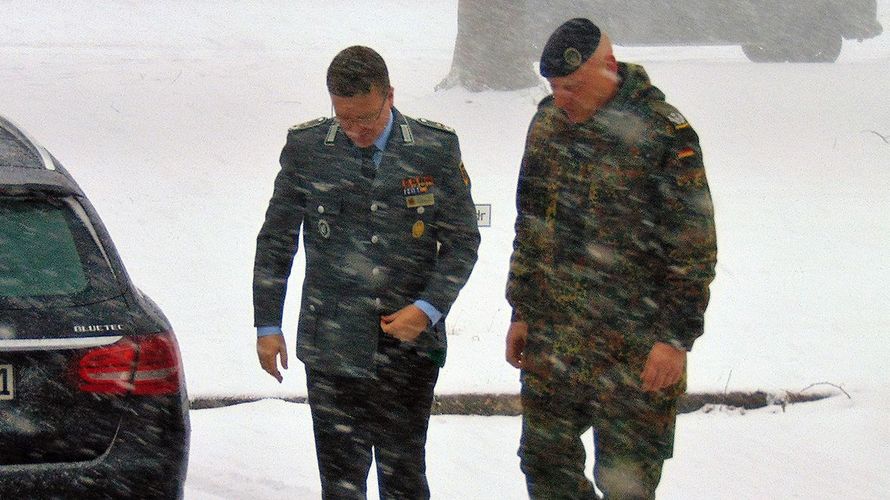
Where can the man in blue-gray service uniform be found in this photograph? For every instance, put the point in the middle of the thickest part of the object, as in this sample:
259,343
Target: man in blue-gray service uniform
390,236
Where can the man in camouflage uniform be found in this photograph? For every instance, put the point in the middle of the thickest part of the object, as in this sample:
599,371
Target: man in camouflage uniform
614,251
390,236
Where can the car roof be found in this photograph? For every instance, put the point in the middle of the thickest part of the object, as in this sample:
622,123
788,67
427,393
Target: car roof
26,166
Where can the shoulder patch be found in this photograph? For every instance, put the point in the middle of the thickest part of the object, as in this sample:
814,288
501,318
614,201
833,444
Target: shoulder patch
464,174
435,125
307,125
670,113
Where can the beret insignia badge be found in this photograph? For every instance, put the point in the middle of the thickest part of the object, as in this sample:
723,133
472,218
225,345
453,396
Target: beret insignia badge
572,57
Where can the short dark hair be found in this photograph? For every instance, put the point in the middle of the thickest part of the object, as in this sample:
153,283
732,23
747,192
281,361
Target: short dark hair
356,70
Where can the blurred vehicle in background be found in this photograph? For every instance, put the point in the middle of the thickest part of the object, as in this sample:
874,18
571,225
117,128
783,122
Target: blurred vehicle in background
498,41
767,30
93,401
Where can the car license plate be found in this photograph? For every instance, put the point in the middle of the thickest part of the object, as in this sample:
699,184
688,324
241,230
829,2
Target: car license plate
7,382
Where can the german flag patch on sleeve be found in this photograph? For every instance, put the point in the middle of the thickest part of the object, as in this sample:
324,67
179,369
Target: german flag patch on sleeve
685,153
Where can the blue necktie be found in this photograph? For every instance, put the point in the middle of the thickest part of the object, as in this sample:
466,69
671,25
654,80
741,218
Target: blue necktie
369,168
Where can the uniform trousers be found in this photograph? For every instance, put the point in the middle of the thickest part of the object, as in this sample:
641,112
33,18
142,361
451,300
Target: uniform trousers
385,417
633,431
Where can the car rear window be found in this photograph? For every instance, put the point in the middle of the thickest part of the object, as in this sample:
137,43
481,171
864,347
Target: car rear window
49,255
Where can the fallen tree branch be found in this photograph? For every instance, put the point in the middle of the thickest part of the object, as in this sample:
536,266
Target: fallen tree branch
883,137
830,384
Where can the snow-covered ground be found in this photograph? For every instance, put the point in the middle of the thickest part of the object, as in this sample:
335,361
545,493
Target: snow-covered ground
835,448
172,114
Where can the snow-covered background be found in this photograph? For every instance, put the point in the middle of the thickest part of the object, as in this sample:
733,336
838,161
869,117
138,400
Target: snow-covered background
171,115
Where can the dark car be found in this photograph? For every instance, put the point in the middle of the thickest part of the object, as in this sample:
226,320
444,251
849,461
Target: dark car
93,401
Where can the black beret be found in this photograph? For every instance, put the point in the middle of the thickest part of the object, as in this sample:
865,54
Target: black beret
569,47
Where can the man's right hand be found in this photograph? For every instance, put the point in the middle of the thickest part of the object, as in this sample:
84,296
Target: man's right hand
268,348
516,337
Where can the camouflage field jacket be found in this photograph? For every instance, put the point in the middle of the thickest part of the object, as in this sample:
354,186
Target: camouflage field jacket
615,230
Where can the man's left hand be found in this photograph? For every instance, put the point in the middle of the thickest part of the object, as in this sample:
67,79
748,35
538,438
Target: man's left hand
405,324
664,367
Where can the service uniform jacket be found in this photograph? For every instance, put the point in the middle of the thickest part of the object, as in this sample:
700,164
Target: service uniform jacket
615,229
372,246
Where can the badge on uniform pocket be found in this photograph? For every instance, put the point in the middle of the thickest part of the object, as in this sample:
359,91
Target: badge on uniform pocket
324,229
418,229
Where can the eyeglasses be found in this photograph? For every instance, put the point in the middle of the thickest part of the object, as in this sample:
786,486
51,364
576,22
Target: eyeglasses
359,120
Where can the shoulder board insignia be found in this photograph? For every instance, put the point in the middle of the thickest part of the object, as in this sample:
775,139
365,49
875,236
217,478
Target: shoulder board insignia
306,125
435,125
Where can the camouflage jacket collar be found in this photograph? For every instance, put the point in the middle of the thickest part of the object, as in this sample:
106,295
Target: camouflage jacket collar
634,89
635,85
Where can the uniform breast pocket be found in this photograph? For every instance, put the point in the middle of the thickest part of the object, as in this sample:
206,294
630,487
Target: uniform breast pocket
322,215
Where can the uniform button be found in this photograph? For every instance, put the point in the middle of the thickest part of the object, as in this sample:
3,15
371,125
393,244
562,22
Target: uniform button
320,209
312,307
373,207
375,239
378,303
421,210
375,271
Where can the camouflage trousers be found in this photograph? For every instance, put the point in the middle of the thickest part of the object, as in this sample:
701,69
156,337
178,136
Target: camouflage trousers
633,430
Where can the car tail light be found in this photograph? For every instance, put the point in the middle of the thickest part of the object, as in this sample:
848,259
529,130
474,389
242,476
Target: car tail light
108,370
143,365
157,371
